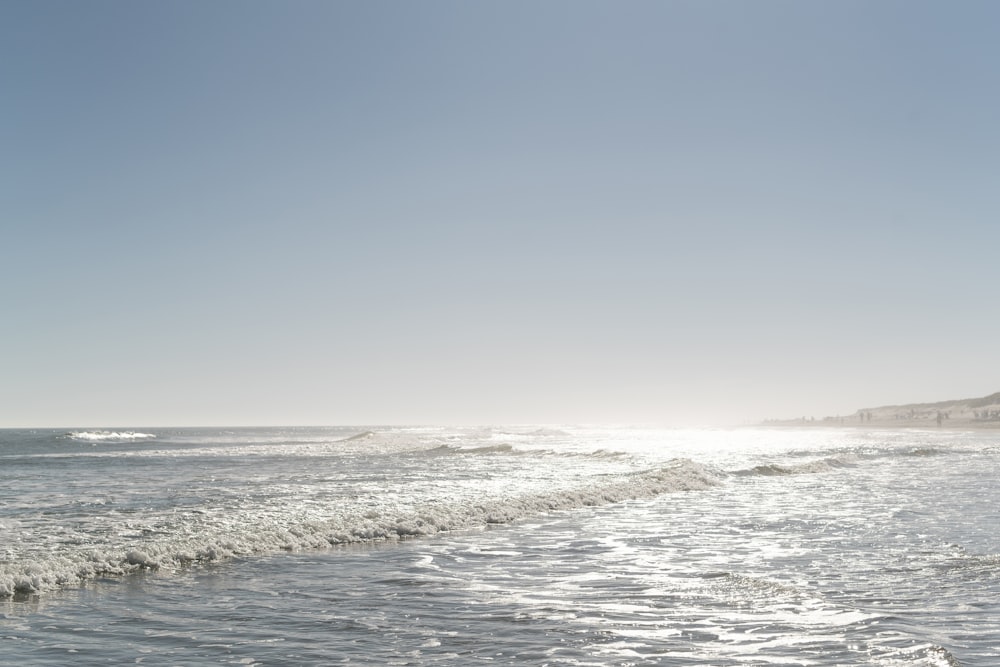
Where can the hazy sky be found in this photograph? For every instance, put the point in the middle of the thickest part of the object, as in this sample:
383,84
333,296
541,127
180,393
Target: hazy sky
247,212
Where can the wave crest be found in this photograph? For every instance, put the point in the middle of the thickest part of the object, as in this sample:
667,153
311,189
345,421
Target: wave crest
452,450
98,436
774,469
254,536
364,435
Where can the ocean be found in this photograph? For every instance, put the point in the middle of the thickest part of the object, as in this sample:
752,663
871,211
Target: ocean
499,545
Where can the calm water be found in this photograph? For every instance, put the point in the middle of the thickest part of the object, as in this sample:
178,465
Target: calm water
527,546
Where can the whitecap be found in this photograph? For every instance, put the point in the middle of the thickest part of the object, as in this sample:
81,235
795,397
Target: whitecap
99,436
260,535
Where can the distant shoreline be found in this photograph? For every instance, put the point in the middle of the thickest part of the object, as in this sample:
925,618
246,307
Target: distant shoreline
981,414
953,425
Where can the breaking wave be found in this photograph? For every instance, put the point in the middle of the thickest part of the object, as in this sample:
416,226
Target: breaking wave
489,449
258,535
774,469
453,450
98,436
922,655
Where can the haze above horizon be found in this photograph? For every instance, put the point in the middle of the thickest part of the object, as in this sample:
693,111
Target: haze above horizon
445,212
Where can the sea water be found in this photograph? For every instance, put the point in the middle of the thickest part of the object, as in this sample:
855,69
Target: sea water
500,546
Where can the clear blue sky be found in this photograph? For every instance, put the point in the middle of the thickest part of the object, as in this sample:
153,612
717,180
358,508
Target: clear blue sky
246,212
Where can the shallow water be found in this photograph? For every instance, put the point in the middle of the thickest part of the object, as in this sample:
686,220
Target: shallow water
746,547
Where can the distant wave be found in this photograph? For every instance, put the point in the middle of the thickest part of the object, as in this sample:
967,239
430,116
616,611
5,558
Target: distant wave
364,435
924,451
607,454
822,465
262,537
542,432
549,433
489,449
506,448
97,436
453,450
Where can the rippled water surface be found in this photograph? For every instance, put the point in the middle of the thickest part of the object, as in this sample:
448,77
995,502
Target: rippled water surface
570,546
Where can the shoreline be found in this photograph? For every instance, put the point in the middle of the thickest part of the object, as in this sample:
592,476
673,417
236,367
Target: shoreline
924,425
970,414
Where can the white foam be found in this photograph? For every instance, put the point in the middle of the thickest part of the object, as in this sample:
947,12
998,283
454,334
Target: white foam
929,655
97,436
262,534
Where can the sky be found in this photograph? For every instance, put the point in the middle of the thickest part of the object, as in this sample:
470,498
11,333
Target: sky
242,212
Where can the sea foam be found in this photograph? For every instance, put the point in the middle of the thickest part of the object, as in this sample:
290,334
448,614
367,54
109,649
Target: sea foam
261,535
97,436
